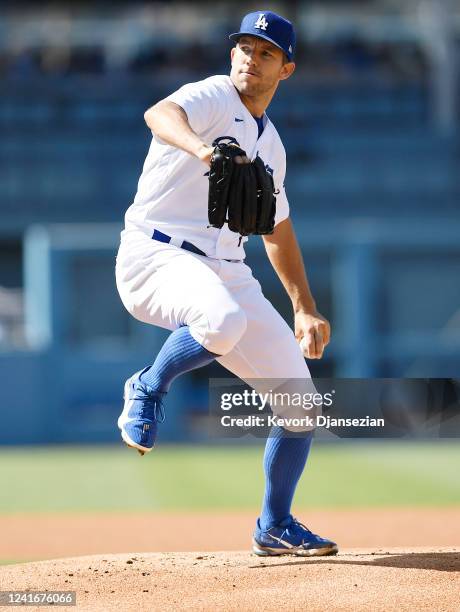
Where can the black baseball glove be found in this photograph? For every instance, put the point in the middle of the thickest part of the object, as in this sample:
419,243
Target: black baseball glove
240,194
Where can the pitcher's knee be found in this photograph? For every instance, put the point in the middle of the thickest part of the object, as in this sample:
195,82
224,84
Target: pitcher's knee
225,330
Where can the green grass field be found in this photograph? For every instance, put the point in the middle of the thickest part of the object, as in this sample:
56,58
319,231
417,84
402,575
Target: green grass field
109,479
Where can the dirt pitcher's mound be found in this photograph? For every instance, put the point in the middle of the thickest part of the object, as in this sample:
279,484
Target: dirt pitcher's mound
391,579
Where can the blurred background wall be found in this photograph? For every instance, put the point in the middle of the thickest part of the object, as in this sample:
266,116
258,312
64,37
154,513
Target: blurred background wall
370,124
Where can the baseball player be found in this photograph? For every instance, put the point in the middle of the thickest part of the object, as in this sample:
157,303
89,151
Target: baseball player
177,271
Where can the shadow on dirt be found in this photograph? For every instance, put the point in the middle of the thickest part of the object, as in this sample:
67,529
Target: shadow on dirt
442,561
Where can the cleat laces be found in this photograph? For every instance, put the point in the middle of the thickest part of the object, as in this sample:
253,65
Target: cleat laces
294,523
152,403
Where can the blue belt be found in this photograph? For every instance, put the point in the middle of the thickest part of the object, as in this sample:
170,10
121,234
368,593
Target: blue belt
188,246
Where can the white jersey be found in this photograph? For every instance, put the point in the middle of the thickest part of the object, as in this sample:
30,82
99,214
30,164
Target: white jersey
172,193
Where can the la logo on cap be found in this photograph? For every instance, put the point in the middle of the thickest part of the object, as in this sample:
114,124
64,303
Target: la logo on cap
261,22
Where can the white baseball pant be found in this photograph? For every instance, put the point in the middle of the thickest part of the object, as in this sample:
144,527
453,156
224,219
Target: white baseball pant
220,301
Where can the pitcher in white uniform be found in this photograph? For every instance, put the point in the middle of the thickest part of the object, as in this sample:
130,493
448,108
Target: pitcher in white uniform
176,272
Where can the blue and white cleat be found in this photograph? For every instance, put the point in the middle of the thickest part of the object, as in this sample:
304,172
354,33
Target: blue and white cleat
290,538
142,411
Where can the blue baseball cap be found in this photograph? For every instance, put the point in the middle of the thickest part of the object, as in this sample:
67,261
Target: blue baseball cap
271,27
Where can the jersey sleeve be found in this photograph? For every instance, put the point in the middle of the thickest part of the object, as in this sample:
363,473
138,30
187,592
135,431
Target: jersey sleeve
282,204
203,102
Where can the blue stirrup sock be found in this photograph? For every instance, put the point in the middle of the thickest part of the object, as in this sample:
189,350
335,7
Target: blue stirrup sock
284,461
180,353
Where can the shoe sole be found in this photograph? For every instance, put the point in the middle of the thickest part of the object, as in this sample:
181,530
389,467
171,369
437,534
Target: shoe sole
142,449
263,551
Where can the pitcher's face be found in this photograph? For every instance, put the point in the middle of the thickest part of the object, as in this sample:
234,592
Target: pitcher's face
258,66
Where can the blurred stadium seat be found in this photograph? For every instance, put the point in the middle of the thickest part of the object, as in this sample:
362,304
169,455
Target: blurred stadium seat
361,143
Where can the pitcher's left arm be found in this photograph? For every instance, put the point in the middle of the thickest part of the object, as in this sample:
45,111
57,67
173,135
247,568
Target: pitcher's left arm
286,258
